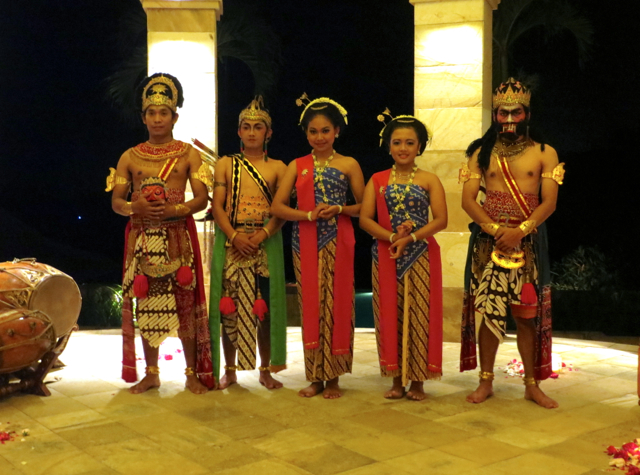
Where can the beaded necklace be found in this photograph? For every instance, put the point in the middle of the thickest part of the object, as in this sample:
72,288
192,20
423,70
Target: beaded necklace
319,171
399,207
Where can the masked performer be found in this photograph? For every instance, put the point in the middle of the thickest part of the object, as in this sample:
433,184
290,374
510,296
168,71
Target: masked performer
162,266
407,275
247,254
507,267
323,245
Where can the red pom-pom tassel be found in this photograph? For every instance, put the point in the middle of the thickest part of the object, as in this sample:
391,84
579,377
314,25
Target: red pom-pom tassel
260,307
529,296
184,276
227,306
141,286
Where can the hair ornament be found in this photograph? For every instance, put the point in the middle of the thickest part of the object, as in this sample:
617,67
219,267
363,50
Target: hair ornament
255,111
320,100
403,119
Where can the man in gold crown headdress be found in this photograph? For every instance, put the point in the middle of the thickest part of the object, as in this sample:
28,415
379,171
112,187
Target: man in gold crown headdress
248,255
162,265
507,267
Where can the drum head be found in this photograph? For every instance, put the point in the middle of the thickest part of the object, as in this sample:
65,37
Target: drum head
59,297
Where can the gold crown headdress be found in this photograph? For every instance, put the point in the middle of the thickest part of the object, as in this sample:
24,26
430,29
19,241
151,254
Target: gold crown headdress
510,93
403,119
160,91
255,111
304,97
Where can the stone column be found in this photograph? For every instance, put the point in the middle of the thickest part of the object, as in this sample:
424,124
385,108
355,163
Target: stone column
453,47
181,37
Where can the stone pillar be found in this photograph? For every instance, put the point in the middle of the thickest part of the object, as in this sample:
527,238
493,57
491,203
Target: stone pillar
453,47
181,37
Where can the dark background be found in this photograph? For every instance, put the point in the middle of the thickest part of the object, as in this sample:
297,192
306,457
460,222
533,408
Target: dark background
59,132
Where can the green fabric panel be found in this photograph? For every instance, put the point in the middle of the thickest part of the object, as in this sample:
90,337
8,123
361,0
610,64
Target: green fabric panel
277,299
215,294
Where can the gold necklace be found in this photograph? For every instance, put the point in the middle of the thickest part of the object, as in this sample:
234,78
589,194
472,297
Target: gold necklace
512,151
319,171
253,156
401,197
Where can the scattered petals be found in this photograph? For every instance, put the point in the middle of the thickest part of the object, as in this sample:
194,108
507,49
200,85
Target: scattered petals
626,458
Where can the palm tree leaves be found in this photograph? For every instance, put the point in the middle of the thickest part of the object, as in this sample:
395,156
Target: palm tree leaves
516,18
241,34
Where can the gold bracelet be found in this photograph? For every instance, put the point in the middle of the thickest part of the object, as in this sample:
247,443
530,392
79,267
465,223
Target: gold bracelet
267,231
528,227
182,210
391,237
490,228
233,236
340,206
127,208
415,239
309,215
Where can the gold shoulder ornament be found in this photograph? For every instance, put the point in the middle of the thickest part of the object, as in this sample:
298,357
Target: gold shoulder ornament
204,175
465,174
557,174
113,180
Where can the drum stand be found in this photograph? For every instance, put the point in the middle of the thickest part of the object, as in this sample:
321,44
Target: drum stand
32,379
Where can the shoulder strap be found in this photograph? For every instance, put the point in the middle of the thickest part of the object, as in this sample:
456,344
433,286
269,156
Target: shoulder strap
513,186
257,177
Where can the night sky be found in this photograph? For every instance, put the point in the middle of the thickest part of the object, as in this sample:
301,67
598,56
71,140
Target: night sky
59,132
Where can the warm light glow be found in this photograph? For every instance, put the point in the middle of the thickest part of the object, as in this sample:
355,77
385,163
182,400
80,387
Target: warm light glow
461,44
191,57
556,362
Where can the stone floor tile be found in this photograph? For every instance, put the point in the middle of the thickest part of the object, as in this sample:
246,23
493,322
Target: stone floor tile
477,422
482,450
327,459
382,446
432,434
97,433
143,456
526,438
266,467
538,464
286,441
69,419
386,419
580,452
64,463
36,445
431,461
36,406
229,455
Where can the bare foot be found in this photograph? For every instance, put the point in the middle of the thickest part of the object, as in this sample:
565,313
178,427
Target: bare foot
397,389
150,381
484,391
535,394
312,390
416,391
268,381
228,379
194,385
332,390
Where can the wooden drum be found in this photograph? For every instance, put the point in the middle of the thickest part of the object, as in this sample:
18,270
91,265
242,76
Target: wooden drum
25,337
25,283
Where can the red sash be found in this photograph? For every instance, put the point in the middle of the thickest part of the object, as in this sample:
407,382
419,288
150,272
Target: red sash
343,269
388,291
513,187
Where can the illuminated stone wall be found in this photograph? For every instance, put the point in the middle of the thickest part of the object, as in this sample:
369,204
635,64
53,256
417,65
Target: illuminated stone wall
181,37
453,47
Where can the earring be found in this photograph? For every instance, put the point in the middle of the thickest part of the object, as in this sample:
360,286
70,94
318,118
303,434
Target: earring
337,135
264,150
241,146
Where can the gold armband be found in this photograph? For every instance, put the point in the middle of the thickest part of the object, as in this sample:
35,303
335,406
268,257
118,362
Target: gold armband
528,227
113,180
182,210
204,175
267,232
557,174
465,174
127,208
490,228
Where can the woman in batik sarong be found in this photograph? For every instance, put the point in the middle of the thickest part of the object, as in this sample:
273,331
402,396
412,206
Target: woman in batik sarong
407,281
323,245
